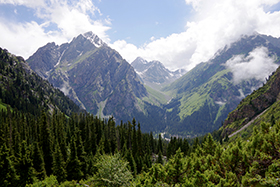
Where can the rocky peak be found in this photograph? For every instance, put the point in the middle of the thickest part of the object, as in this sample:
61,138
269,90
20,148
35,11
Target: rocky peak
93,38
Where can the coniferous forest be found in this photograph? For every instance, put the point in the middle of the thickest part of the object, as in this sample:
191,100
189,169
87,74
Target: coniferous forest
81,149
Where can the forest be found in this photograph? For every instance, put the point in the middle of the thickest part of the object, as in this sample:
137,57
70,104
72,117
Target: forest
52,150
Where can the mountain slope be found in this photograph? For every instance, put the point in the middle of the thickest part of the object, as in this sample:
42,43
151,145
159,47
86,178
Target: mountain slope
205,95
264,101
96,77
24,90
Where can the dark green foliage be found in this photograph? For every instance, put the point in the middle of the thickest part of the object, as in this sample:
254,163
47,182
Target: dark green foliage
27,173
38,162
8,175
58,165
55,145
74,165
241,163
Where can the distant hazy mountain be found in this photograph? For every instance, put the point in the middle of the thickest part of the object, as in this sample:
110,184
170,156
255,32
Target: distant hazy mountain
154,72
205,95
95,76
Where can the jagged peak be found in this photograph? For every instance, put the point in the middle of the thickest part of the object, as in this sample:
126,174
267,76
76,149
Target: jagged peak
93,38
140,60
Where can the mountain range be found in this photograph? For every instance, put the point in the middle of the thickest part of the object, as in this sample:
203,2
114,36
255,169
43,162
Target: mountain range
181,103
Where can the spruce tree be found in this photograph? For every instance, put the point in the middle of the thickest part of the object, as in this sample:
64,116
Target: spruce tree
129,157
25,166
58,165
46,143
159,158
74,170
38,162
8,175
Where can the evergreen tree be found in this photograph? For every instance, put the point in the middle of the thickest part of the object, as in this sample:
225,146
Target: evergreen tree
46,143
160,143
73,168
159,158
25,166
58,165
38,162
129,157
8,175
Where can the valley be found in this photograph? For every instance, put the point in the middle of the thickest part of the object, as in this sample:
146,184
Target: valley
47,138
182,103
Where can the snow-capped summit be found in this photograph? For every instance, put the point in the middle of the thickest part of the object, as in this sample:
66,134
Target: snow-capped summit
93,38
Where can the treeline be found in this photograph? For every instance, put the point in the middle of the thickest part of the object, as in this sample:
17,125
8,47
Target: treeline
55,150
33,148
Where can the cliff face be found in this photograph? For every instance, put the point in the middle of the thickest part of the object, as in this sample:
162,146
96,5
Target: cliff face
254,104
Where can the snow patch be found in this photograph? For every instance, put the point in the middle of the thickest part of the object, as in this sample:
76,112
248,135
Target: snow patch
242,95
221,103
58,62
94,39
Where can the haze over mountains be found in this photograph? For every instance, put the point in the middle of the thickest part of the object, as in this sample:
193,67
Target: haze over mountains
98,79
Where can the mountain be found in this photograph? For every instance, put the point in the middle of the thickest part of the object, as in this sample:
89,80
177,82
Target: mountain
154,73
204,96
22,89
96,77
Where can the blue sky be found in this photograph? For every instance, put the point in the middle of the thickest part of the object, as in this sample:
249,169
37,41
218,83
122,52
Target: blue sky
138,21
179,33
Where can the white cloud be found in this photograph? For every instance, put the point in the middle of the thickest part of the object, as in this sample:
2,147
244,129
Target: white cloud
71,20
258,64
215,24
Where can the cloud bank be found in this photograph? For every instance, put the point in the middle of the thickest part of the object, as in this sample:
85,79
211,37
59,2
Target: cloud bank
68,20
258,64
215,24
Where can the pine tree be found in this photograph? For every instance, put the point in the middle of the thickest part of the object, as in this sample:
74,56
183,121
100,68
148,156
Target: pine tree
160,143
74,170
38,162
8,175
139,140
159,158
46,143
81,153
129,157
25,166
58,165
